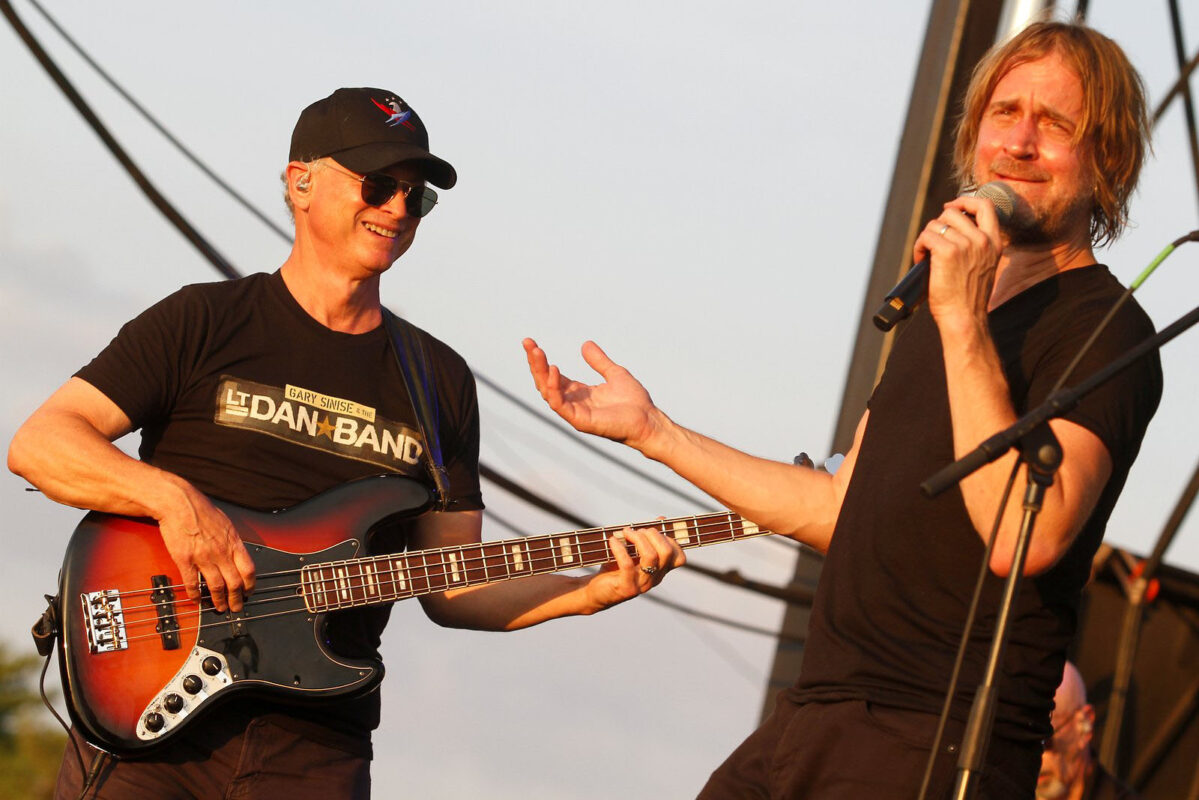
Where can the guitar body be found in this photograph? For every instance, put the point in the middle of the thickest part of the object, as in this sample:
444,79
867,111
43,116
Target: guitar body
139,659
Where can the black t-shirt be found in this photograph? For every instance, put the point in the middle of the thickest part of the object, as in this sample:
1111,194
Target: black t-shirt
239,391
901,568
242,393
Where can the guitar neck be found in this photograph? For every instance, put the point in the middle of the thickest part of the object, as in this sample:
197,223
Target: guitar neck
336,585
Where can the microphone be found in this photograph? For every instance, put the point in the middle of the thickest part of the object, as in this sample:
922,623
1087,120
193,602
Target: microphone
913,286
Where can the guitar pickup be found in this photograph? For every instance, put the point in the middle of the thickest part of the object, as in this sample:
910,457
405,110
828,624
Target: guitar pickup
163,598
104,621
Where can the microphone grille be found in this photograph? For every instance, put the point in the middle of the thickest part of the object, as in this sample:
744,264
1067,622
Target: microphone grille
1002,197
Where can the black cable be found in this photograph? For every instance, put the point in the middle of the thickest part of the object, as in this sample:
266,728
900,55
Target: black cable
195,160
735,579
87,775
158,126
118,152
41,686
218,261
794,595
691,612
496,519
532,411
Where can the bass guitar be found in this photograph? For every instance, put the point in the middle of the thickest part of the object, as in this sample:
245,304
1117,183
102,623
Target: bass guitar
140,661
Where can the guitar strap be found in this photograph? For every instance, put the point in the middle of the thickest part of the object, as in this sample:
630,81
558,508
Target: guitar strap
413,361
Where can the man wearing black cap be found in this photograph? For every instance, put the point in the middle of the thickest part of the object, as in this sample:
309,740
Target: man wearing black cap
264,392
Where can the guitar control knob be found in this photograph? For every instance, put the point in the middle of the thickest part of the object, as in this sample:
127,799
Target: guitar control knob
211,665
154,722
173,703
192,684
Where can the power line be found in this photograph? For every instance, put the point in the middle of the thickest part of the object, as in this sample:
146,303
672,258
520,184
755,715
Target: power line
504,523
226,269
246,204
682,609
790,594
229,271
536,414
161,203
790,544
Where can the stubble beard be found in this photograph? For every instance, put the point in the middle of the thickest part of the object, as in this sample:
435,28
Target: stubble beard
1045,224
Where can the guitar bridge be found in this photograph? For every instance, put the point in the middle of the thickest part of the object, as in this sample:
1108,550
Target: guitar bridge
104,621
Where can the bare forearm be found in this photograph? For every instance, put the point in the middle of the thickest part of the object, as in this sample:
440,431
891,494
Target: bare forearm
794,501
73,463
980,406
528,601
790,500
512,605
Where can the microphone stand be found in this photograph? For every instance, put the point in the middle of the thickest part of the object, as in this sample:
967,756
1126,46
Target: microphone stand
1041,453
1057,404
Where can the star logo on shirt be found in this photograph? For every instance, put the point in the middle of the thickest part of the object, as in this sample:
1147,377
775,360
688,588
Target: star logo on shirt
325,428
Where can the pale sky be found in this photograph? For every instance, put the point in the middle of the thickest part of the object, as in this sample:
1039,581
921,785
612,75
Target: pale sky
697,186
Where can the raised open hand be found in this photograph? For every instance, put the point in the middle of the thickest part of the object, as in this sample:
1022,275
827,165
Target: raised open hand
619,408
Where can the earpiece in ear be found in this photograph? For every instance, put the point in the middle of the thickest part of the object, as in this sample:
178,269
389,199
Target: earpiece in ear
1084,725
302,183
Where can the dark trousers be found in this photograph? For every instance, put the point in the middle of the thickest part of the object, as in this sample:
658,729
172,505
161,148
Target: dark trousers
852,750
261,761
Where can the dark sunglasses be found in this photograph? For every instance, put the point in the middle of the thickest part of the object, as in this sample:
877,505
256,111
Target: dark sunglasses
378,188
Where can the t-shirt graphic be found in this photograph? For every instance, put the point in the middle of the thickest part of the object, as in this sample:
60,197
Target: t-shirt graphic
320,421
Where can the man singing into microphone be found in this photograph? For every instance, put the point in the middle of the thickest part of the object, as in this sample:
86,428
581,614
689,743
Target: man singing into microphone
1057,114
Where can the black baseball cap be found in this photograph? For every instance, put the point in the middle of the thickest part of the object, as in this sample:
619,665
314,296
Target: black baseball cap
367,130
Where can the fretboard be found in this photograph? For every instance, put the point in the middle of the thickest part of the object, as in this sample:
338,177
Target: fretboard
335,585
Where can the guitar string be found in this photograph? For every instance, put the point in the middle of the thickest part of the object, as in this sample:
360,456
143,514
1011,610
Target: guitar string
591,552
357,603
412,574
303,609
357,588
703,526
534,553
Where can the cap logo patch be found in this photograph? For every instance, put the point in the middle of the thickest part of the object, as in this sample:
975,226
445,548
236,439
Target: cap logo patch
397,112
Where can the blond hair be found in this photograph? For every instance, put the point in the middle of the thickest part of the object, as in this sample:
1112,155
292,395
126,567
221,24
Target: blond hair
1114,123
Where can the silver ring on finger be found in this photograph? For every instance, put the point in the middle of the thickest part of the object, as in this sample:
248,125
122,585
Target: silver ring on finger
651,571
943,229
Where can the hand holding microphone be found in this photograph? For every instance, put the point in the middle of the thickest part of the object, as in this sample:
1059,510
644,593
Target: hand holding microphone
912,289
